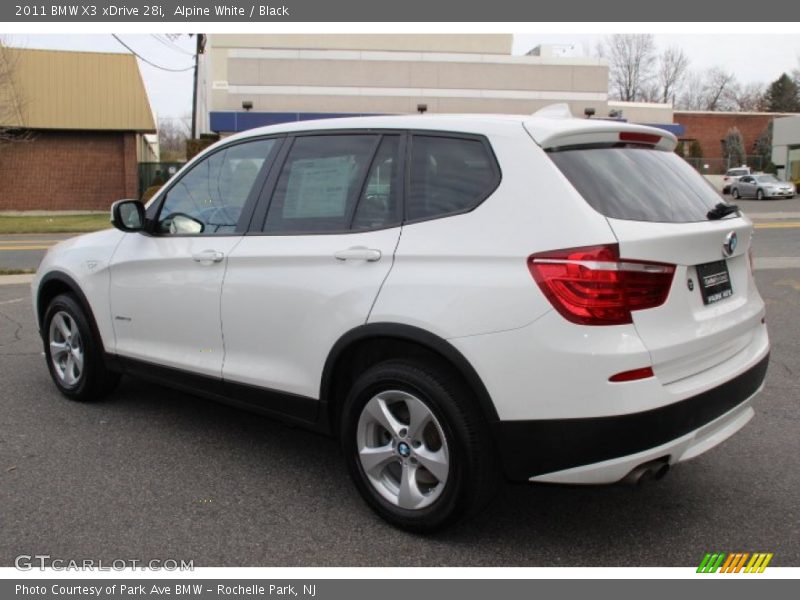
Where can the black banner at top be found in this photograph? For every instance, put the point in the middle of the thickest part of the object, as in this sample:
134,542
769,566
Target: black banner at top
448,11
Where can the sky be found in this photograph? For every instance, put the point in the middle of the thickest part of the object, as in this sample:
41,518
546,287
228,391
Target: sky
754,58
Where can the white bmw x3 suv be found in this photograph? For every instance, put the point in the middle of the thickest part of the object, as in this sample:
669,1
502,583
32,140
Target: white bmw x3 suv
457,298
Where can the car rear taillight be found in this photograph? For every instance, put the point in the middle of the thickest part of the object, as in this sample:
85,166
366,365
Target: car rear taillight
593,286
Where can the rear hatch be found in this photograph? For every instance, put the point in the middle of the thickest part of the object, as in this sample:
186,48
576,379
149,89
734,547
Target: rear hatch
662,211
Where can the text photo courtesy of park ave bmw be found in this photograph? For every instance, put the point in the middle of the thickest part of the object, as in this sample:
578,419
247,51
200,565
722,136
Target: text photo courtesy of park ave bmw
363,297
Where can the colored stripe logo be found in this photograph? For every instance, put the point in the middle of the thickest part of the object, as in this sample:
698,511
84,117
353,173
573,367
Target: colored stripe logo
734,562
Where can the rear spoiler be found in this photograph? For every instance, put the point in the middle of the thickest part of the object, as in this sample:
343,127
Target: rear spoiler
553,127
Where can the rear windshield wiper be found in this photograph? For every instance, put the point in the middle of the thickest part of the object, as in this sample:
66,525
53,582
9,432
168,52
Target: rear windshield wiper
722,209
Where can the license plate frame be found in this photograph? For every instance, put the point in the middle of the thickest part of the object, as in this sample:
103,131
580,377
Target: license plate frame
714,280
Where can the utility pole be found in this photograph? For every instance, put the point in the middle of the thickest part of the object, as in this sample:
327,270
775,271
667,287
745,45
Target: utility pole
200,49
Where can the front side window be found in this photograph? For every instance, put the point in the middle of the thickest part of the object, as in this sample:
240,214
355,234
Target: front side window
448,175
209,198
322,183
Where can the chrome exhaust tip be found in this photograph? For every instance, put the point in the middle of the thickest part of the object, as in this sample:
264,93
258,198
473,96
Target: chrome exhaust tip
650,470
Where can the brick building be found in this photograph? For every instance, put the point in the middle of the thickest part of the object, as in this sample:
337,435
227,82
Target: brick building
81,119
709,129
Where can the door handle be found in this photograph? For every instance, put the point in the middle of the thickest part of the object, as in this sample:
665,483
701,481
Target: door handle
358,253
208,256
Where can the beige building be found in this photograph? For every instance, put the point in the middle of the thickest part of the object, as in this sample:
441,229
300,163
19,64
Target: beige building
251,80
78,122
641,112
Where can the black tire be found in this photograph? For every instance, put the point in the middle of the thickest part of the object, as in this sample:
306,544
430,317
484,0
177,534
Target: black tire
735,193
95,380
760,195
473,474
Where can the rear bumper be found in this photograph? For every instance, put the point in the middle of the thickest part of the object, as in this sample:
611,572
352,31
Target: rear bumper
597,449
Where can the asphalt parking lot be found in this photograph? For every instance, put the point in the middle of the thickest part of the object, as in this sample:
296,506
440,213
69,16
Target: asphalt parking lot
156,474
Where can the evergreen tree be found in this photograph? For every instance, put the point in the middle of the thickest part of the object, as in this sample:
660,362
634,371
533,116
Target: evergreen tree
764,149
783,95
734,147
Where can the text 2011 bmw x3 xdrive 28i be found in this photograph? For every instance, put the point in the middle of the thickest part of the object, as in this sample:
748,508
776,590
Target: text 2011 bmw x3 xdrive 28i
457,298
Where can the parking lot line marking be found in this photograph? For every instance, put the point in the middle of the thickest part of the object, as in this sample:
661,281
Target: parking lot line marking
28,241
778,225
26,247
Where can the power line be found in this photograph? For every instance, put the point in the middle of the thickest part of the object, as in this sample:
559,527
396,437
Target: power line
143,59
171,45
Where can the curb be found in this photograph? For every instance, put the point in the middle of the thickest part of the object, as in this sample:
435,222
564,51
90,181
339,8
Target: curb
16,279
772,216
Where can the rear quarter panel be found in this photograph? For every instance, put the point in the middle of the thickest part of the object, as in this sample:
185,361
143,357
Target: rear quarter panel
467,274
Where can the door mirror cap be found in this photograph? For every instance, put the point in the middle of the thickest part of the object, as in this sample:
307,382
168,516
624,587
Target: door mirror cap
127,215
183,224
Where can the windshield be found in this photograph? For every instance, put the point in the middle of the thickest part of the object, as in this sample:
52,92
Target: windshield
767,179
638,184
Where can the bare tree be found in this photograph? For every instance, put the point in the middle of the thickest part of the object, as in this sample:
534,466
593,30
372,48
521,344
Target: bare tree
631,58
713,89
749,97
673,65
717,89
11,104
172,136
691,98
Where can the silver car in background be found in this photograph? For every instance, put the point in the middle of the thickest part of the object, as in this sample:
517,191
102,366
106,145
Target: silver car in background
761,186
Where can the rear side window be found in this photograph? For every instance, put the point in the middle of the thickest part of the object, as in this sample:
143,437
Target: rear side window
638,184
448,176
320,183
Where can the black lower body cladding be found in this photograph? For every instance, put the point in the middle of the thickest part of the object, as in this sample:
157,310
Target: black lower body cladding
530,448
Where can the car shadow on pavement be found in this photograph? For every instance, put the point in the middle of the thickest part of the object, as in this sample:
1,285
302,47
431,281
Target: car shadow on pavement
271,473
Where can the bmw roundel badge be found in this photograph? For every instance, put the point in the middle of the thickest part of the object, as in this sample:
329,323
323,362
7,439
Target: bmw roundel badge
729,245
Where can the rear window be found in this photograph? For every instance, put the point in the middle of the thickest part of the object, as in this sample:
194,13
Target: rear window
638,184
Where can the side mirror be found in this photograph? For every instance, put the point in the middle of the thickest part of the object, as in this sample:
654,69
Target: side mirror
185,225
127,215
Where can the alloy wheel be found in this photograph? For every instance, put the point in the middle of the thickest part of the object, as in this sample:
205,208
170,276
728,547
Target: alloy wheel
66,348
402,449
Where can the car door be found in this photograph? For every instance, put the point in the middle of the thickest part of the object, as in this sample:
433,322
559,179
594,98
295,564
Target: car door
331,222
166,283
746,186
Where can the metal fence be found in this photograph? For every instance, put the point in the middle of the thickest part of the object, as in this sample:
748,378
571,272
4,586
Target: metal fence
718,166
156,174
